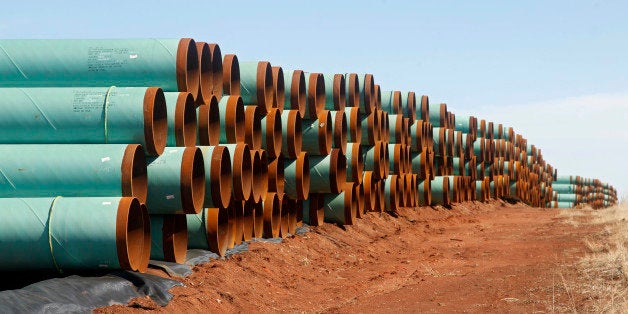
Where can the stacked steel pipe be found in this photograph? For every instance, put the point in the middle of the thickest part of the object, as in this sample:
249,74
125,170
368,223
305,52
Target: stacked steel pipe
171,145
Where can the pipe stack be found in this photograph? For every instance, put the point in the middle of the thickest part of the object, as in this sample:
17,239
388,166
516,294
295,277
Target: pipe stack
172,145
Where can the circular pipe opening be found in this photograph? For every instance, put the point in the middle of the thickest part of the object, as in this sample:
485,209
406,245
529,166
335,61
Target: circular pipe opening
130,234
294,207
303,176
340,131
231,75
276,175
217,225
242,172
258,218
355,125
339,92
367,93
350,203
411,109
175,238
338,168
315,94
272,215
253,126
192,181
155,121
294,136
357,163
370,189
209,123
377,97
265,88
425,108
185,120
263,156
353,90
187,67
235,120
317,209
273,133
325,132
134,173
221,178
396,103
206,74
279,88
298,94
216,69
257,175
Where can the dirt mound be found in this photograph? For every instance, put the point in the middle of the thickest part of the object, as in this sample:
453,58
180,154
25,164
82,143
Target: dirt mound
473,257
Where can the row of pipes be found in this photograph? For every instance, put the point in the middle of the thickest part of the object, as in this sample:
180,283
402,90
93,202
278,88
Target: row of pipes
118,151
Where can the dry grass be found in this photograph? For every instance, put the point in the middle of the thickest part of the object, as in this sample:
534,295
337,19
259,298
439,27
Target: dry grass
604,269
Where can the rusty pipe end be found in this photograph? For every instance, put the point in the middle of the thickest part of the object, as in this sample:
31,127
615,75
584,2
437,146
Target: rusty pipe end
340,131
221,177
235,119
185,120
209,123
339,91
192,180
265,88
155,121
175,238
276,175
272,215
206,73
216,69
130,233
217,225
145,257
337,172
284,217
325,132
257,184
242,172
258,218
253,126
134,173
303,176
231,75
279,88
357,163
315,94
187,67
298,93
273,133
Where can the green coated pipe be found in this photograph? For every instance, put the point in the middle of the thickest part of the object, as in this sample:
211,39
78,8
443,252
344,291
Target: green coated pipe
176,181
341,208
181,119
72,233
565,179
440,141
296,94
339,130
73,170
422,109
374,159
438,115
354,122
440,191
209,230
419,163
335,92
291,136
169,238
479,191
256,84
565,197
230,75
328,173
370,128
218,176
565,205
317,134
232,119
391,101
297,177
171,64
98,115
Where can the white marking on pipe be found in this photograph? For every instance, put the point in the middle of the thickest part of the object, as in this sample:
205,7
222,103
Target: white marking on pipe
105,159
106,203
169,197
133,56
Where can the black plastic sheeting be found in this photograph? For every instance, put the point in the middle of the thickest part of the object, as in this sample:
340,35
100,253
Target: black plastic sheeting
84,293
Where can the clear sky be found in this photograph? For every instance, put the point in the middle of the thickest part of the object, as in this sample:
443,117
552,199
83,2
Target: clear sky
557,71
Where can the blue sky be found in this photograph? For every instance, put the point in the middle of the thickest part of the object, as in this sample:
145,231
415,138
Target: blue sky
555,70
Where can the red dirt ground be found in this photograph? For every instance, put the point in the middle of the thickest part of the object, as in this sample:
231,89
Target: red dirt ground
492,257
